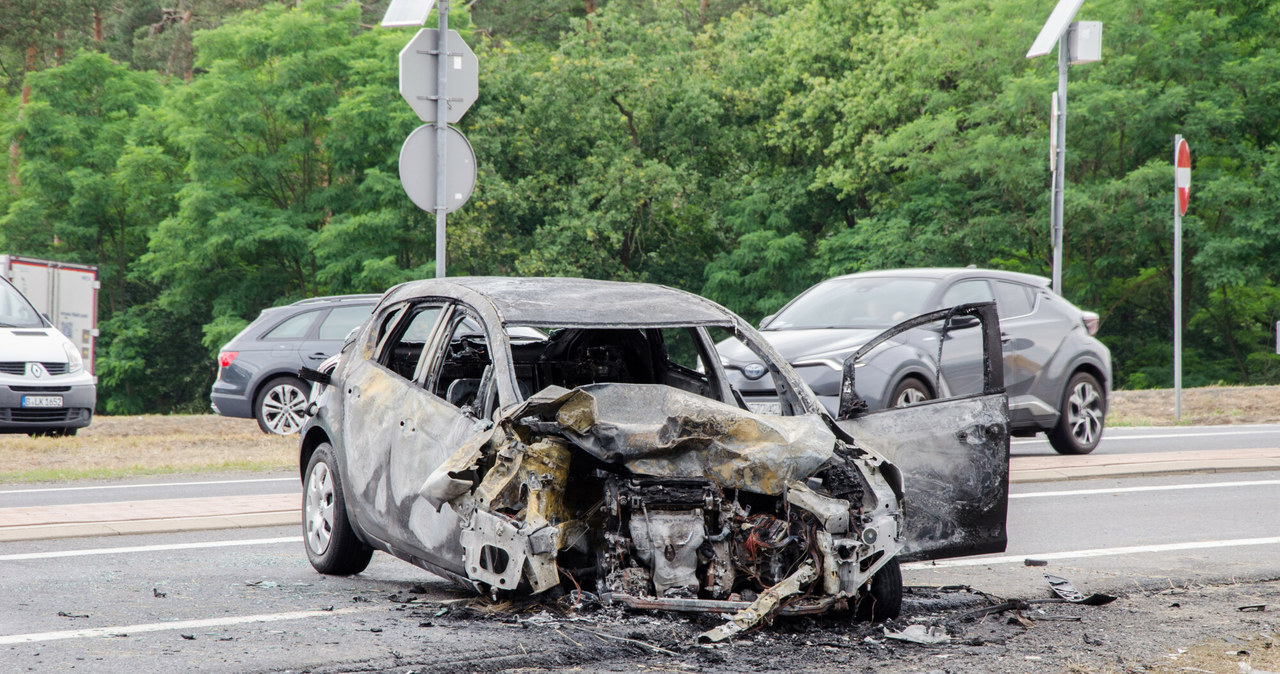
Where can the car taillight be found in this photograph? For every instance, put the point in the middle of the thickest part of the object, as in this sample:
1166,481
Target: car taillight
226,358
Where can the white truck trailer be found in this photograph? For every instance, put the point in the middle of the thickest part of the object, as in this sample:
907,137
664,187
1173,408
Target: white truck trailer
65,292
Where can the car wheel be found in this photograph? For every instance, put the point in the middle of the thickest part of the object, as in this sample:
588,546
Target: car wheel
331,542
1079,426
281,406
909,391
883,599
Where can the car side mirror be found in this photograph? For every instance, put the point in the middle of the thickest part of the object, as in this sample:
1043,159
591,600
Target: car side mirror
961,322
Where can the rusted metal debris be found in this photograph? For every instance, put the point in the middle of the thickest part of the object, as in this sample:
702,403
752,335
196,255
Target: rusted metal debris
928,635
1064,589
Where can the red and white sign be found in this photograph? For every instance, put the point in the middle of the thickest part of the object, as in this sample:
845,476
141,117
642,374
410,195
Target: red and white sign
1182,176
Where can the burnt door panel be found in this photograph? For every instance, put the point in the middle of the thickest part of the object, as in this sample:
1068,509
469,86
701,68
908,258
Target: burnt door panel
954,458
953,453
370,393
432,431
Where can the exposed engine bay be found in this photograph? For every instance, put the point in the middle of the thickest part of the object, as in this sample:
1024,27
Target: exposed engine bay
656,497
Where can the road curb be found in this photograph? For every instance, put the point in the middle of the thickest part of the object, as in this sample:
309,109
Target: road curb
153,526
1138,470
1025,469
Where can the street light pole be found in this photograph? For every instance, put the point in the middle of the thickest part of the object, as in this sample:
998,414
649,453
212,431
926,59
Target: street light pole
1060,163
1079,42
442,127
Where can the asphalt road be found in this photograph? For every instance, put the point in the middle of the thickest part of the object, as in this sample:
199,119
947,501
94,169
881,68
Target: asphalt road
247,600
1129,533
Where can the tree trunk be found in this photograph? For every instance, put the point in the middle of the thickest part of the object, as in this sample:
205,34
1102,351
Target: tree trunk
15,146
97,24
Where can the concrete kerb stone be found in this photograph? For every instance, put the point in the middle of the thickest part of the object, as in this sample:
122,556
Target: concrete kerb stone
127,527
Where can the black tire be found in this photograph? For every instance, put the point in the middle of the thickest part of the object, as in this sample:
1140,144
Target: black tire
281,405
1082,417
883,600
331,542
908,392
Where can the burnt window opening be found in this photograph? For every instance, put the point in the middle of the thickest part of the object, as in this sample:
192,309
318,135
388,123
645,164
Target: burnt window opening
463,376
403,336
782,397
572,357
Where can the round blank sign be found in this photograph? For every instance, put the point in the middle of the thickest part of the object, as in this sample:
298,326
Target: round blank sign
418,168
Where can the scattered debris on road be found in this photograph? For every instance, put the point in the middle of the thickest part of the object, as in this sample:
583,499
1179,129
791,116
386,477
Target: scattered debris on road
929,635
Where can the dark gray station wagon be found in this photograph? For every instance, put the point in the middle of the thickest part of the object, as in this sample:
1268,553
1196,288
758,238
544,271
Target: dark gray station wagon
258,370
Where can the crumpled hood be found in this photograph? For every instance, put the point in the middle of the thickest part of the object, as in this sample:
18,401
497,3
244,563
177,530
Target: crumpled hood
796,344
663,431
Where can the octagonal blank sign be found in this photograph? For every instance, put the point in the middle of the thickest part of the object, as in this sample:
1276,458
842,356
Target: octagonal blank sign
418,168
418,75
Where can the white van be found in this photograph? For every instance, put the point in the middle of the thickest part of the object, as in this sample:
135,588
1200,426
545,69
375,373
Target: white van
45,388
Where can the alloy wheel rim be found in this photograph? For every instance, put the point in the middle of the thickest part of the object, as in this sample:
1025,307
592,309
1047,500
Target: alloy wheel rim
1084,414
319,515
910,396
284,409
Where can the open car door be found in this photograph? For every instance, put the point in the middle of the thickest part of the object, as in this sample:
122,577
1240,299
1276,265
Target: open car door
953,453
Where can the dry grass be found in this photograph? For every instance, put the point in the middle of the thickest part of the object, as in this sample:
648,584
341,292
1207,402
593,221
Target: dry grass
1207,405
122,446
119,446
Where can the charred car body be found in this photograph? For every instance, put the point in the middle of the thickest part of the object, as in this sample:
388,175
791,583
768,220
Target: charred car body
525,435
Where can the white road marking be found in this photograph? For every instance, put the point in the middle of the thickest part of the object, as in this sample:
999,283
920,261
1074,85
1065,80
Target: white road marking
149,548
130,630
152,485
1127,490
1163,436
1097,552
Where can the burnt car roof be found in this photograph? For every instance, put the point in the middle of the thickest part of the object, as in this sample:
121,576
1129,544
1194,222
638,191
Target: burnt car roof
556,302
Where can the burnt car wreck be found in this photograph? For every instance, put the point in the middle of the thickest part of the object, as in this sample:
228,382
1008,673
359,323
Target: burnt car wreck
535,436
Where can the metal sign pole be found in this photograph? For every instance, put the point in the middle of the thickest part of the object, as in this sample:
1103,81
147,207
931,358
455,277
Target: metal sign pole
442,69
1059,174
1177,289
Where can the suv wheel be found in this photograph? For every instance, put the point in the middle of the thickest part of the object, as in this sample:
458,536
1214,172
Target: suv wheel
1079,427
909,391
281,406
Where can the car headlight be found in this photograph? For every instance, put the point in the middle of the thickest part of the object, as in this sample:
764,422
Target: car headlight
74,362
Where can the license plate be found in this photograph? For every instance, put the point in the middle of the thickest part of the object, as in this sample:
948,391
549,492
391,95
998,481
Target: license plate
765,408
42,401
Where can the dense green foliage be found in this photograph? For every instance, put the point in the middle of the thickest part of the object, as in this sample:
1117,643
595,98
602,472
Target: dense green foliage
245,155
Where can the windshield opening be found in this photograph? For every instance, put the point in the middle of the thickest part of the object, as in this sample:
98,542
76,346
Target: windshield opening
856,303
15,311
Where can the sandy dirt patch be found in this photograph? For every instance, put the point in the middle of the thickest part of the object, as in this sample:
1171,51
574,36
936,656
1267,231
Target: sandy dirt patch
1208,405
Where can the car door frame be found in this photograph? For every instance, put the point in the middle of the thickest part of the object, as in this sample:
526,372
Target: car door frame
953,453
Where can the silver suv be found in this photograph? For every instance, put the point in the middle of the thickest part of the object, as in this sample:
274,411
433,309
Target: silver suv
258,370
1057,375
